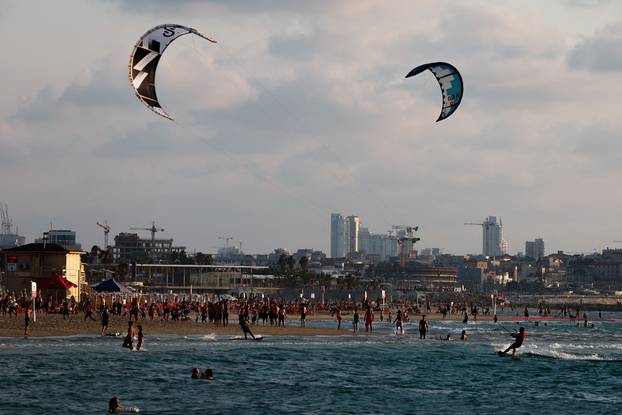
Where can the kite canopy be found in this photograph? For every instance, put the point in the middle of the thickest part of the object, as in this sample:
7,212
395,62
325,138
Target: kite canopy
450,81
145,57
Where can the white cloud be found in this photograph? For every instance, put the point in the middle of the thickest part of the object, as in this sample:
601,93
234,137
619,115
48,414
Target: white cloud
304,111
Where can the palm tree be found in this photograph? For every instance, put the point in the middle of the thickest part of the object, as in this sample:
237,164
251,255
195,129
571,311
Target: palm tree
291,263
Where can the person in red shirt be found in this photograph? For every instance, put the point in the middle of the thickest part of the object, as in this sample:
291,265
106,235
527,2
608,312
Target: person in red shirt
520,337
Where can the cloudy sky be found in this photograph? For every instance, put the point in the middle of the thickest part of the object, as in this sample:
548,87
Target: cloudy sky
303,110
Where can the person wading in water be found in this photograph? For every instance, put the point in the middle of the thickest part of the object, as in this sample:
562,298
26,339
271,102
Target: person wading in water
423,327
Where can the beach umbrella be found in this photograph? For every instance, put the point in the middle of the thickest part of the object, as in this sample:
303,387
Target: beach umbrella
111,286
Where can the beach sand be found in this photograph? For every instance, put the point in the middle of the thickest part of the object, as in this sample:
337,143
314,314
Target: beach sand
55,325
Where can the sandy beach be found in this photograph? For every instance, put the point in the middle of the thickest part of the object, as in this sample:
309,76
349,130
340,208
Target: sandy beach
55,325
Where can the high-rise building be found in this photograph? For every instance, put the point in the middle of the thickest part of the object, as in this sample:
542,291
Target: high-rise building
63,237
337,237
377,246
351,234
364,240
492,237
130,247
505,247
535,249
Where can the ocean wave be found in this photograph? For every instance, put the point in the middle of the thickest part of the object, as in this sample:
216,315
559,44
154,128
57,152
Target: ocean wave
607,346
553,354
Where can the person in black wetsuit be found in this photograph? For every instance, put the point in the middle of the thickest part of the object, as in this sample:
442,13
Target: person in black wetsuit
423,327
520,337
398,322
243,320
105,319
26,321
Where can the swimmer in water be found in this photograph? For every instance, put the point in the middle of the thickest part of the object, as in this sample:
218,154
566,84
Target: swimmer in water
463,336
114,407
208,374
196,373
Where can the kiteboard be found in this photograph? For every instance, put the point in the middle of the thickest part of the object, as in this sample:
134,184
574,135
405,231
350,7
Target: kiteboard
257,338
501,354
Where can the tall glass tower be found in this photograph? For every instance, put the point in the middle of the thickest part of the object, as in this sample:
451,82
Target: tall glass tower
492,237
337,237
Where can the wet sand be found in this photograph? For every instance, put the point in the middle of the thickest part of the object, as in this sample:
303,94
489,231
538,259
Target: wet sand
55,325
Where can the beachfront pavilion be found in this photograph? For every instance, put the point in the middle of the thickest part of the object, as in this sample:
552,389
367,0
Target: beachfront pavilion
202,278
56,270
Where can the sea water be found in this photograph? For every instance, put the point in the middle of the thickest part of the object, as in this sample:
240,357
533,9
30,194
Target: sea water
562,368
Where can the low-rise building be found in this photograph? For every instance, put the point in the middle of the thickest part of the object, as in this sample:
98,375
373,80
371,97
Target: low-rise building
40,262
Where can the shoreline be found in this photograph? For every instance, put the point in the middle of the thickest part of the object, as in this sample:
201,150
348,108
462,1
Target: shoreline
53,325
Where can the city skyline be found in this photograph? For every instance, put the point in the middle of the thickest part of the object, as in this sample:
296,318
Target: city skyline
302,111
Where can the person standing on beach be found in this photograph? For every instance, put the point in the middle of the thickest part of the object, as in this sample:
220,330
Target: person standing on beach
369,319
355,320
26,321
88,312
303,314
423,327
281,314
134,309
225,313
65,309
105,319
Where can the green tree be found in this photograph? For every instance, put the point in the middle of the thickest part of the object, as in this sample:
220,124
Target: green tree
304,263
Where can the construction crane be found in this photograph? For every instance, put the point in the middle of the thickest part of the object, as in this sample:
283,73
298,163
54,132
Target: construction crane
153,231
405,234
484,226
106,229
7,224
226,239
476,224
